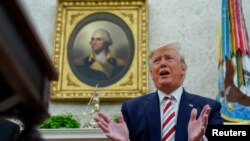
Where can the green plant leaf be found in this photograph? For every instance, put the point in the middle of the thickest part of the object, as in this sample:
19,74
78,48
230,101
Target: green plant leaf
114,118
61,121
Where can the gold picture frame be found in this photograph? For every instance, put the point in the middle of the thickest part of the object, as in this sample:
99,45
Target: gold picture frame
76,21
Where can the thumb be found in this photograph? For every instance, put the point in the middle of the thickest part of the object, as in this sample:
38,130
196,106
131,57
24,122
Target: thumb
120,118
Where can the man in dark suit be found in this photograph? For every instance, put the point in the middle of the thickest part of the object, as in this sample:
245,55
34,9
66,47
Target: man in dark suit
142,117
9,131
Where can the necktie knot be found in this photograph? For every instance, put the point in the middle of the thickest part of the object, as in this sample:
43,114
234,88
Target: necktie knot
167,97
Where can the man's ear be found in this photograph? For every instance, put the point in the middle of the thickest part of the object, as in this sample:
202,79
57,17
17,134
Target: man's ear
184,70
150,71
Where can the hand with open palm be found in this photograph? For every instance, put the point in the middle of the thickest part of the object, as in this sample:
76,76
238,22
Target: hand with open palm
197,127
114,131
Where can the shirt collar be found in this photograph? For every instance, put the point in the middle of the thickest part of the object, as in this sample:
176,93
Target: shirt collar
175,95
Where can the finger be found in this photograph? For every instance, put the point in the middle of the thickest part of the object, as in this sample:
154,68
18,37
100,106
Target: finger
193,114
105,123
104,128
205,120
96,119
100,121
104,117
120,118
206,109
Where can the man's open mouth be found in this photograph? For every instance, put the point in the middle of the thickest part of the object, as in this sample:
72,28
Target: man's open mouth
164,73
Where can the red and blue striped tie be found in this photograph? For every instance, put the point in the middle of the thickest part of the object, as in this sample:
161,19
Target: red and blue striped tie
169,121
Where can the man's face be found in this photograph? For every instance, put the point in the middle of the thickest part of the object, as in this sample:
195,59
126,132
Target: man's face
166,69
97,42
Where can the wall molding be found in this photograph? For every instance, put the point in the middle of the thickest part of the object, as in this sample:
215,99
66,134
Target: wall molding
94,134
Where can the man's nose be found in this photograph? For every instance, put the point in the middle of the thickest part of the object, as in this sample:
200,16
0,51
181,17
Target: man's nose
93,42
163,63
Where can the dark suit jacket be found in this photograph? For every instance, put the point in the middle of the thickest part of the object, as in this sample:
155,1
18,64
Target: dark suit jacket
96,75
142,116
9,131
92,76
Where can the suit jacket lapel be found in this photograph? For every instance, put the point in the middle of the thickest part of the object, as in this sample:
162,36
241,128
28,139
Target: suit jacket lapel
152,110
183,117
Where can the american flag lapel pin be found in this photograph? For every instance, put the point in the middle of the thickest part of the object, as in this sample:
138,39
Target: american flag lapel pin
191,105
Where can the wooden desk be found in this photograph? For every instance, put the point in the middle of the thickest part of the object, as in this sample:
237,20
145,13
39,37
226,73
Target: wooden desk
25,71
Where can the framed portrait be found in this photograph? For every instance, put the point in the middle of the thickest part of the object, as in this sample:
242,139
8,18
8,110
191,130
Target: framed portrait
100,46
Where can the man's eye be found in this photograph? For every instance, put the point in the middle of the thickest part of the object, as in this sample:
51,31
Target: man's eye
156,60
169,58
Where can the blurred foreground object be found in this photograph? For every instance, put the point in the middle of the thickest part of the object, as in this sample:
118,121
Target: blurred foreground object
25,71
9,130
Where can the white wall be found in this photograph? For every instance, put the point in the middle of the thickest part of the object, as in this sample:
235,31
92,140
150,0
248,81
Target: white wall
194,23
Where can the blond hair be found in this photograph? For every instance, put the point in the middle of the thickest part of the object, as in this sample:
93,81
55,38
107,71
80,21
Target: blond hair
173,45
